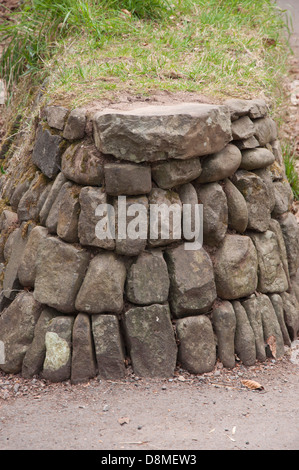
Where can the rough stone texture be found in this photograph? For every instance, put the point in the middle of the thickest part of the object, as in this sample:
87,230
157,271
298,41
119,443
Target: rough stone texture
83,164
242,128
52,218
56,116
75,125
31,202
47,151
224,324
68,215
83,358
52,195
220,165
151,341
256,158
235,267
271,274
255,319
18,193
197,348
8,218
147,280
265,130
161,232
291,314
275,227
109,347
27,267
215,212
163,132
60,270
237,207
173,173
272,332
11,284
131,235
17,323
244,336
127,179
57,363
90,198
256,196
188,197
238,107
35,354
245,144
283,197
279,311
103,286
192,285
266,175
290,232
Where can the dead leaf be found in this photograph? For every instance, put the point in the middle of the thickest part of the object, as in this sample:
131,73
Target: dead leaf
271,341
126,12
123,421
252,385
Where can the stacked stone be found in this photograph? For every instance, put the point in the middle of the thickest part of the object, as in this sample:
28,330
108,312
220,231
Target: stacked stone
74,306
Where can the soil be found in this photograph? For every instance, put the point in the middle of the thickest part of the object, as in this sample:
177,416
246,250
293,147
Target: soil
213,411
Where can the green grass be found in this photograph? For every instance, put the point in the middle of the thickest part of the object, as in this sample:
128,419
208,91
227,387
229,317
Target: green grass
92,49
290,160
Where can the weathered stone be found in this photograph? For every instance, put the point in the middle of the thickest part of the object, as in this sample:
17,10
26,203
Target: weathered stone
267,177
277,303
188,197
165,217
29,205
18,193
8,218
83,358
68,215
109,347
265,130
147,280
291,314
272,332
220,165
27,269
17,323
60,269
224,324
52,195
197,348
57,363
75,125
173,173
83,164
255,108
244,336
215,212
56,116
235,267
275,227
192,285
283,197
242,128
103,286
256,196
290,230
255,318
127,179
35,354
271,274
245,144
151,341
11,284
237,207
163,132
131,233
256,158
90,198
47,151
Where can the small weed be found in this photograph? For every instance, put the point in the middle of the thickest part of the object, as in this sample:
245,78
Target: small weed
290,161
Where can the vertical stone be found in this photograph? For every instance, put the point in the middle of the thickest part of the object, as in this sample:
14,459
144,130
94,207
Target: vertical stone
244,336
224,323
255,319
83,359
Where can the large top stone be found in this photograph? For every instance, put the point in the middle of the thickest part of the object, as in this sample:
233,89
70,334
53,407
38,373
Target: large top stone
160,132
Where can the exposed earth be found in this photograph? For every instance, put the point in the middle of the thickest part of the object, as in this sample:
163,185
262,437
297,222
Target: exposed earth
214,411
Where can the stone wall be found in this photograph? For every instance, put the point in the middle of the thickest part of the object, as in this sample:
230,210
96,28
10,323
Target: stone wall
74,305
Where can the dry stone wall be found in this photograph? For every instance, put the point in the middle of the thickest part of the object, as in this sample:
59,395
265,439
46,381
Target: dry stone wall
74,305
